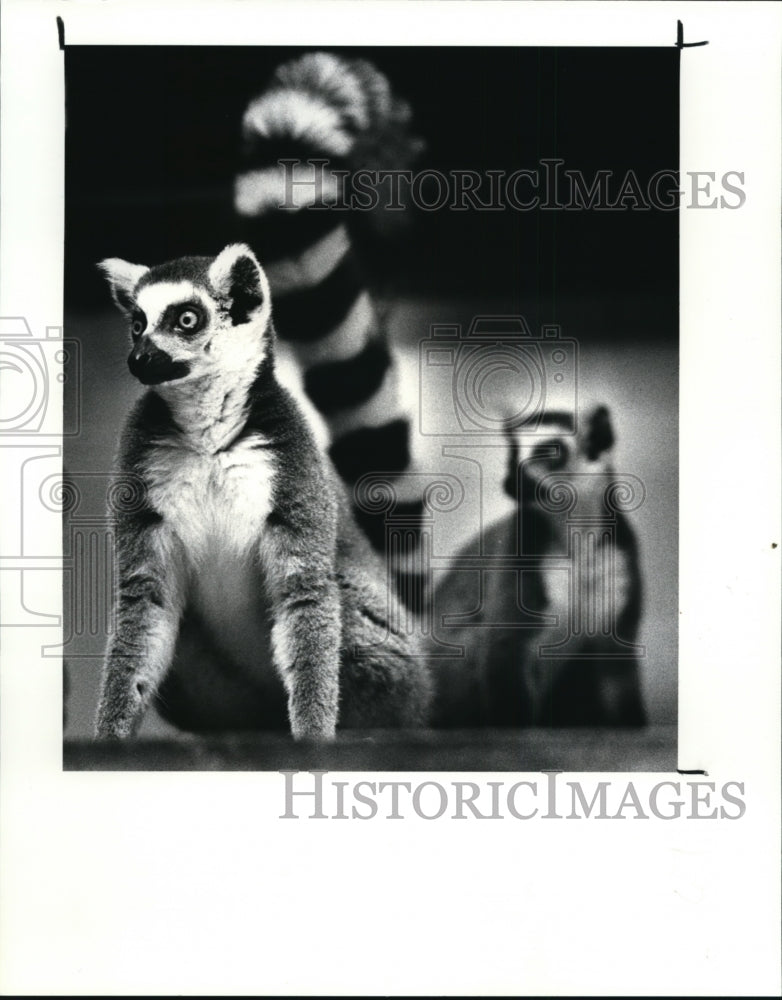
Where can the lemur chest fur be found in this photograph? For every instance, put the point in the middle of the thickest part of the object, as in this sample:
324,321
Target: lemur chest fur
216,506
585,590
591,593
213,501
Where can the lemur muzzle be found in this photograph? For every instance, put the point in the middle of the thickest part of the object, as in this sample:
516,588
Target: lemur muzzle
152,366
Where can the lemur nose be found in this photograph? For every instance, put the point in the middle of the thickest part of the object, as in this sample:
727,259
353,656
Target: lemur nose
142,352
151,365
138,363
140,359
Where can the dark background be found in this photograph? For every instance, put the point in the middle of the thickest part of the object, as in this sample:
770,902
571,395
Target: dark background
153,140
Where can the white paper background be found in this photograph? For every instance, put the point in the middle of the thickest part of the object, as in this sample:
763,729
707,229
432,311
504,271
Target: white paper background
189,883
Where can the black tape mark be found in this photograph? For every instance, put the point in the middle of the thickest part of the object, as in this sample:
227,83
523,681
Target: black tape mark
61,33
697,771
680,42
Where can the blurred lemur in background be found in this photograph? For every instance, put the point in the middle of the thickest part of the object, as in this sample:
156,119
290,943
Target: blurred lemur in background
247,596
552,640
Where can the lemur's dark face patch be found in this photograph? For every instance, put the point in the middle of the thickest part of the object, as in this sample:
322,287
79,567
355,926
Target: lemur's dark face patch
552,455
544,470
183,319
138,323
151,366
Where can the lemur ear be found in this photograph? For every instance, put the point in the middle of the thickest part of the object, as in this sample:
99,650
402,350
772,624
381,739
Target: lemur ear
122,278
599,433
236,275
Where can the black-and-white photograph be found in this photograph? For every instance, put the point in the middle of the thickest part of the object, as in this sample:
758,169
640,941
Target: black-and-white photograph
375,445
389,445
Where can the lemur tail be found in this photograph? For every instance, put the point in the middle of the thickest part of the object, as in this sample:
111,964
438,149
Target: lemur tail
343,114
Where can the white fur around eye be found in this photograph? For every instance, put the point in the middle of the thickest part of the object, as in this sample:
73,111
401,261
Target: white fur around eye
154,299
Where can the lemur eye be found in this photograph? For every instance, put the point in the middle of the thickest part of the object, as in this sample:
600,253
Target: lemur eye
188,319
137,328
549,458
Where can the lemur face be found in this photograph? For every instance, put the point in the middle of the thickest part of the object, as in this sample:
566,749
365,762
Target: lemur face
194,317
537,463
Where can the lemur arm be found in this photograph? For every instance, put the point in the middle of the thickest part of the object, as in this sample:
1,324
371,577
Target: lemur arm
299,562
147,610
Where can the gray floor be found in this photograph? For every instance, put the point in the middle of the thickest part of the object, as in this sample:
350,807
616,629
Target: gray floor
651,749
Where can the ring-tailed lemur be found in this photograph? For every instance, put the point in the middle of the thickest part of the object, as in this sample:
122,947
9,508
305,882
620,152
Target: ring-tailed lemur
342,114
551,641
247,597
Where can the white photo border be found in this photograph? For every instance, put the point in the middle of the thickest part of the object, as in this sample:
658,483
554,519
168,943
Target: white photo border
190,883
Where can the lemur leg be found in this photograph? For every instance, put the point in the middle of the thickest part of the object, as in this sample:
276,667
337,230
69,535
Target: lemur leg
306,635
148,609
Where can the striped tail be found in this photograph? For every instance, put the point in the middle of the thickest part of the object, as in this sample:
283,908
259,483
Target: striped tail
341,115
